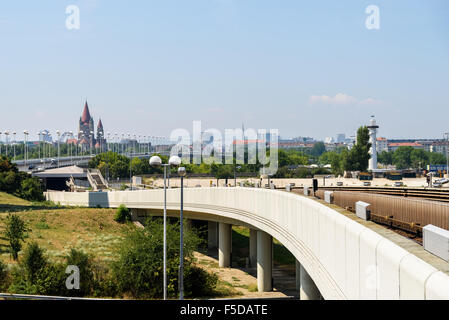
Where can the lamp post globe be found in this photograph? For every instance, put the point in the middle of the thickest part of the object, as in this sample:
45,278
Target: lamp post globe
155,161
174,161
182,171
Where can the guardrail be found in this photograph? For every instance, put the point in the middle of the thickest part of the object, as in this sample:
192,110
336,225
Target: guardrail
15,296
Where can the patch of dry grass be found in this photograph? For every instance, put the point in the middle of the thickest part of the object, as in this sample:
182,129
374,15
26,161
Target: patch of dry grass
59,230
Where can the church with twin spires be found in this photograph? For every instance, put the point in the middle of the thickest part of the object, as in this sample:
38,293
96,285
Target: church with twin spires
86,132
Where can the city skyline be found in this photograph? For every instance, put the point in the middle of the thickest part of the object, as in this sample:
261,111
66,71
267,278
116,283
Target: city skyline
313,70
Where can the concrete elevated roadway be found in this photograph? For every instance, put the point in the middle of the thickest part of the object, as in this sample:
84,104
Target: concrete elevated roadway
338,255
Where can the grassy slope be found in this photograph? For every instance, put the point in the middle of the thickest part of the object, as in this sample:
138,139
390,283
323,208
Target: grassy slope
60,229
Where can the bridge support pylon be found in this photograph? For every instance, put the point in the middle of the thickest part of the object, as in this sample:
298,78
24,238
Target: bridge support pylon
212,234
264,261
253,248
224,245
308,289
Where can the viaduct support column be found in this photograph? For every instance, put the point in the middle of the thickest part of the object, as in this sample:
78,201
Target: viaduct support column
252,248
308,289
224,245
264,261
212,234
297,275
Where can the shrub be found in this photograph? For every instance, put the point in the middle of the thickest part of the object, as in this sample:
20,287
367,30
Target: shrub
31,189
15,234
122,214
198,282
84,263
139,269
36,275
123,187
3,276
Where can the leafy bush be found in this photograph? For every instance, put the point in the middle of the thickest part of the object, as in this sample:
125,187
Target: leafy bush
31,189
122,214
19,183
36,275
199,283
3,276
123,187
139,269
84,263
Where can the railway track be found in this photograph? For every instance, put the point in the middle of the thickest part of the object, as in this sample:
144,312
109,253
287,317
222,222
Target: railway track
434,194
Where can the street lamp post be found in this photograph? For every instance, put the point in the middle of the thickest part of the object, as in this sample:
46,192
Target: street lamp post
14,145
181,173
25,151
39,145
6,142
235,177
156,161
130,162
91,141
71,142
59,153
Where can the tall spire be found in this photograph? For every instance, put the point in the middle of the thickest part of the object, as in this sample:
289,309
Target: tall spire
100,125
86,115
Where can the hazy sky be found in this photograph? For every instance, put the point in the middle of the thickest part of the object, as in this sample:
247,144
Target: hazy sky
308,68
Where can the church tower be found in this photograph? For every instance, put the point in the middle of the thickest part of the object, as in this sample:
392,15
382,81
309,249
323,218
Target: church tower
100,141
86,127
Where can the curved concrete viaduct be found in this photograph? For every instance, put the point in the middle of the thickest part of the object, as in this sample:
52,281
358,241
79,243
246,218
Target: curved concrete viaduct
336,254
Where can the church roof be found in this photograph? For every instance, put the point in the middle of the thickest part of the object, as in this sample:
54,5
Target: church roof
100,125
86,115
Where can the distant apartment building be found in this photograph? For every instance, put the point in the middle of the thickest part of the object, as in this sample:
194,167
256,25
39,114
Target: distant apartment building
294,145
439,147
333,146
382,144
393,146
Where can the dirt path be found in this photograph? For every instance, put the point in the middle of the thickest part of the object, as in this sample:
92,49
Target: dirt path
245,280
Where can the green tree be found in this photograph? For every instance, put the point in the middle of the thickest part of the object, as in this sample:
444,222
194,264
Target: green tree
318,149
334,159
31,189
385,157
225,172
436,158
358,157
402,157
418,158
15,233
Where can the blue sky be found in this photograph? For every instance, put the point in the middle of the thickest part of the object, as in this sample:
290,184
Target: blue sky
307,68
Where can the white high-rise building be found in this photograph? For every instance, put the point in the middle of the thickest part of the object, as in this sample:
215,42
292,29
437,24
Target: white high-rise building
372,164
341,137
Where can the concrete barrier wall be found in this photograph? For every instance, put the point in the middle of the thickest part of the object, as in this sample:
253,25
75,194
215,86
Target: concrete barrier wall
345,259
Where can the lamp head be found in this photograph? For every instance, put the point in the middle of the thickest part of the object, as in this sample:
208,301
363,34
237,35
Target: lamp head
174,161
155,161
182,171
